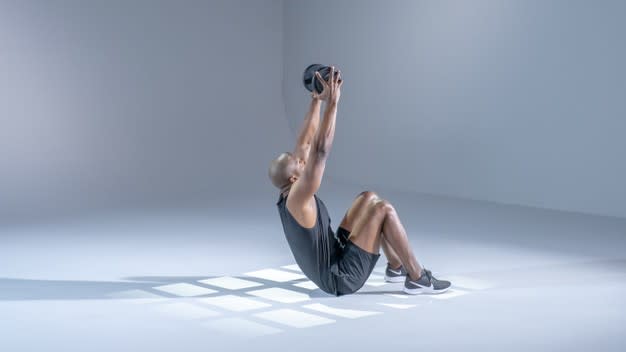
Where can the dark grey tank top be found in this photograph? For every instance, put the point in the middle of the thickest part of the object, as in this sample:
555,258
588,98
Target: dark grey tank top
314,249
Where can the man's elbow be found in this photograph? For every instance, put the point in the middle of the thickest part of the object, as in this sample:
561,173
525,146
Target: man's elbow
322,149
322,154
321,145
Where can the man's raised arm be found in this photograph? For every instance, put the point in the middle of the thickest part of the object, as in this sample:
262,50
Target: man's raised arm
308,130
325,135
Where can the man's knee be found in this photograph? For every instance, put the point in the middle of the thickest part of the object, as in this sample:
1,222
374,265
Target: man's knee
381,207
369,195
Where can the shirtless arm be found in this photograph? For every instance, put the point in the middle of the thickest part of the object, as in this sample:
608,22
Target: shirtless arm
325,135
308,130
305,187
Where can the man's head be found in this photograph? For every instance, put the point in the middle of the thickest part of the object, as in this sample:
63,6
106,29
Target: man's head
285,170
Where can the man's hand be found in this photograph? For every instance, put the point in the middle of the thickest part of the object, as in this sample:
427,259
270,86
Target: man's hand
331,89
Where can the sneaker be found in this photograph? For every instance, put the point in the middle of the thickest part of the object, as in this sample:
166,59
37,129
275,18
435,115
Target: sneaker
395,275
425,284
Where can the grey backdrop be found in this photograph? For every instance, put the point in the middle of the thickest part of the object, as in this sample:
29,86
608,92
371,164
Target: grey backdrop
110,104
518,102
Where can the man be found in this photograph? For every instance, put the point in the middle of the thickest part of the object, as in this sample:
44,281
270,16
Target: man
339,263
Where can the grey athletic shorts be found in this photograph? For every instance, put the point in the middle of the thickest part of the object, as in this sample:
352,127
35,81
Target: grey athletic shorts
354,265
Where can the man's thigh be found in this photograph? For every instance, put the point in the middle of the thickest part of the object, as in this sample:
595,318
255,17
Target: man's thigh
358,206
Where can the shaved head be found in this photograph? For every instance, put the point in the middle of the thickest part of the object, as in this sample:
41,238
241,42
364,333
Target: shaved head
281,169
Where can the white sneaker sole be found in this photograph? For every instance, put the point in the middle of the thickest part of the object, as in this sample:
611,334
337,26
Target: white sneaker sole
424,290
395,278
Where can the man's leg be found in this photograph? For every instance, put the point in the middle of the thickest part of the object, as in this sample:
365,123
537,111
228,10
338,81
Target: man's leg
392,257
359,205
377,222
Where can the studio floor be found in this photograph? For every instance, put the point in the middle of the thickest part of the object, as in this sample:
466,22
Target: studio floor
208,278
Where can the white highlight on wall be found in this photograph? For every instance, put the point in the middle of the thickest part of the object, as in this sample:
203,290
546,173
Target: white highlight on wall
309,285
293,267
280,295
375,280
185,290
183,310
275,275
215,308
231,283
136,294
